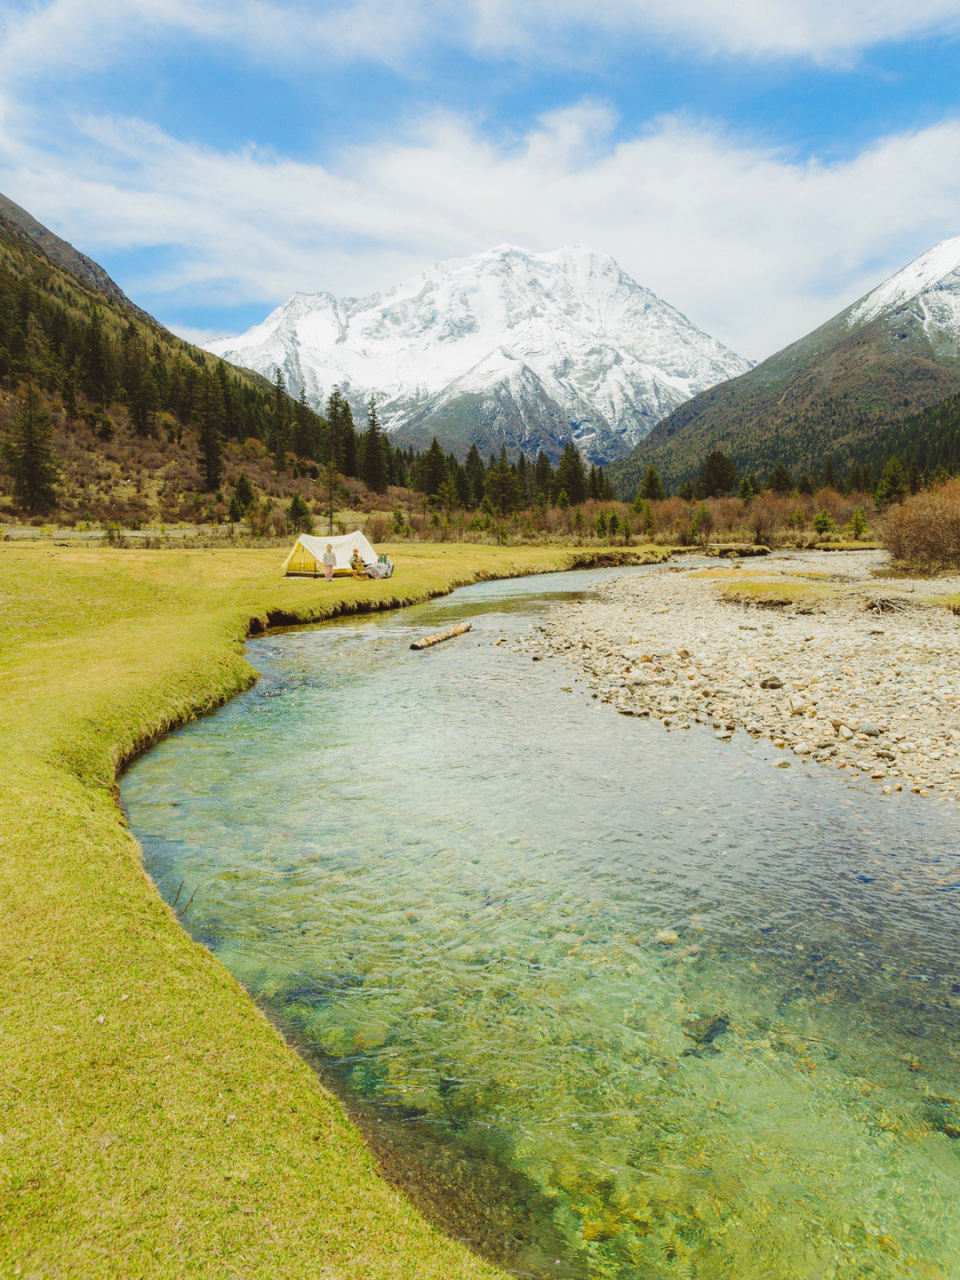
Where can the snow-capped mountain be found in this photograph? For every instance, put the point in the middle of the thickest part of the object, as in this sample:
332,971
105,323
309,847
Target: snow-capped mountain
839,391
926,291
505,347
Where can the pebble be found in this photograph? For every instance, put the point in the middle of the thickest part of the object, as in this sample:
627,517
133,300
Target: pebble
664,644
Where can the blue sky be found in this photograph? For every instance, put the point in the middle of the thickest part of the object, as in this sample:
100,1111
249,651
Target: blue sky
758,165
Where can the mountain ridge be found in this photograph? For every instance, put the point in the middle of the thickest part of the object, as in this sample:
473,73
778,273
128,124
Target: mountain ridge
888,356
504,347
24,227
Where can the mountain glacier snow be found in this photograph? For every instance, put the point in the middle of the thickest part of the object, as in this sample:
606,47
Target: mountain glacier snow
505,347
927,291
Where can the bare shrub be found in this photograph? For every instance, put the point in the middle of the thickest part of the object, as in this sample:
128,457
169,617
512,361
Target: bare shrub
766,513
728,514
377,528
924,532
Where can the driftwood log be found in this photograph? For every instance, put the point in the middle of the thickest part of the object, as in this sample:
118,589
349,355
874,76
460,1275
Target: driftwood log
426,641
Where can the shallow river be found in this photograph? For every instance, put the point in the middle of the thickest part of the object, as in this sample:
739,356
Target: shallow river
443,876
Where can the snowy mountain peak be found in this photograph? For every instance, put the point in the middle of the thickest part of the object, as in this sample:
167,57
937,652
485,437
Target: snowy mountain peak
503,347
934,271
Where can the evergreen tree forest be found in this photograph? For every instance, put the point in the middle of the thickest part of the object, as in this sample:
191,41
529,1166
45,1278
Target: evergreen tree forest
102,409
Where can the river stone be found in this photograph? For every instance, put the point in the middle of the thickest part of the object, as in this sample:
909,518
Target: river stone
869,728
771,682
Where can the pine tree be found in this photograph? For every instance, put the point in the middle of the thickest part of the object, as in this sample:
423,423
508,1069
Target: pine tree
746,492
829,476
300,515
462,485
502,488
571,475
652,488
29,455
373,470
893,484
525,480
335,404
476,474
243,492
330,481
278,424
543,473
718,476
349,443
780,480
432,470
94,360
858,523
210,431
229,401
303,436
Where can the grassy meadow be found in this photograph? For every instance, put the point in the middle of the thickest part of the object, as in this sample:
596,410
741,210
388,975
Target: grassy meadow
152,1122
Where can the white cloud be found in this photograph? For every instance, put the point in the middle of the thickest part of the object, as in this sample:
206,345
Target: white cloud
89,34
753,246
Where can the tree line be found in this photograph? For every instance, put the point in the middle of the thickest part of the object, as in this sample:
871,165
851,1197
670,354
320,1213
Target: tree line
500,487
719,478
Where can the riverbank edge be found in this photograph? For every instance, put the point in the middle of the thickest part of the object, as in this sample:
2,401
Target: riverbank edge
119,1157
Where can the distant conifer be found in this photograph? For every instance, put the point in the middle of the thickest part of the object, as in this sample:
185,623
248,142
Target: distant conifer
278,423
571,475
300,515
651,490
780,480
373,470
29,455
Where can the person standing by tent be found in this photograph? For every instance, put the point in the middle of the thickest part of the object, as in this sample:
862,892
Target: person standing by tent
329,561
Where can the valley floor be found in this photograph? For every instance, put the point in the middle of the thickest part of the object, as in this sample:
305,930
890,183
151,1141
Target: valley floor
152,1122
830,656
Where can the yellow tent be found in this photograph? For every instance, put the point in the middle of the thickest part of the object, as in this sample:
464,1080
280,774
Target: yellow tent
306,558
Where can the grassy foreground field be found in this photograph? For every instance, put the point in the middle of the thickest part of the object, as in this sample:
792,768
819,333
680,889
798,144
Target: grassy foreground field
152,1122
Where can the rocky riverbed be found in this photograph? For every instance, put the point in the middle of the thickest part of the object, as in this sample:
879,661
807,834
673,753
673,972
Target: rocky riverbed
862,676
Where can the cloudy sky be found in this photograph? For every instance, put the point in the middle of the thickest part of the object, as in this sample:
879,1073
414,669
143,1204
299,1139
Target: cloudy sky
759,164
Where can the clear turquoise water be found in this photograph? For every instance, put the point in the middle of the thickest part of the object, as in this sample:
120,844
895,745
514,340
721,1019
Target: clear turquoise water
442,876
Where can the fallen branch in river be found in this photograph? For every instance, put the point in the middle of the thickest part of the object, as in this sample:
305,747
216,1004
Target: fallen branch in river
426,641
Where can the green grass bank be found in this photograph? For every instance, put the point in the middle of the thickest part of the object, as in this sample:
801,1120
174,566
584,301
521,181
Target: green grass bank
152,1122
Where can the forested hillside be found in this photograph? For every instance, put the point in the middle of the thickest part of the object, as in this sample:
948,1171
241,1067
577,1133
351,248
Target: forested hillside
106,415
834,392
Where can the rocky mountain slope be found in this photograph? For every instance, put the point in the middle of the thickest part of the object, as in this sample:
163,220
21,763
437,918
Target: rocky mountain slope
505,347
23,227
837,391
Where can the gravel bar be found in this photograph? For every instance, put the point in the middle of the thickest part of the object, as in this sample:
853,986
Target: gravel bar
867,679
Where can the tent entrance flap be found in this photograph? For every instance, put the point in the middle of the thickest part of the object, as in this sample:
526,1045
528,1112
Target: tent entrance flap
306,556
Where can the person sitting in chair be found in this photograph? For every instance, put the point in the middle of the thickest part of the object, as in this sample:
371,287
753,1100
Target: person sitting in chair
357,565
